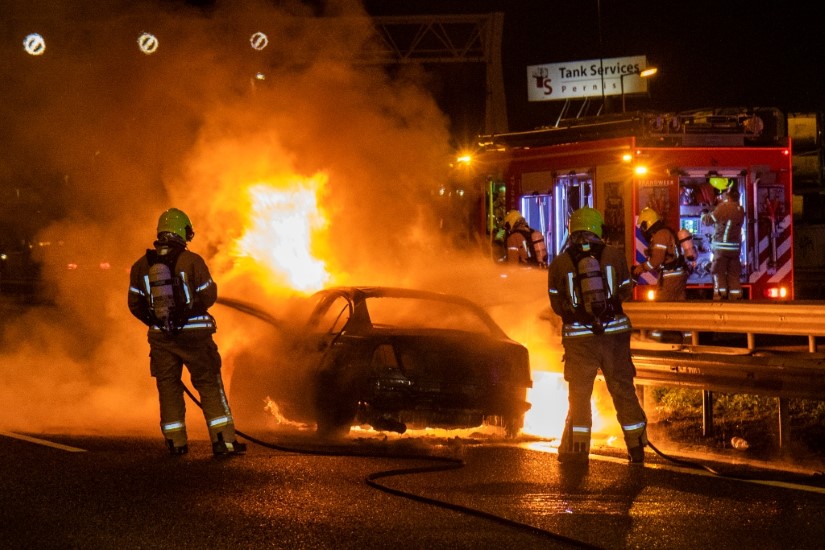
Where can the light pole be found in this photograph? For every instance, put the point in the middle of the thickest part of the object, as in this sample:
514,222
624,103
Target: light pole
643,74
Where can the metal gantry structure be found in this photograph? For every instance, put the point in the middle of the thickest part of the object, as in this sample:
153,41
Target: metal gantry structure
474,38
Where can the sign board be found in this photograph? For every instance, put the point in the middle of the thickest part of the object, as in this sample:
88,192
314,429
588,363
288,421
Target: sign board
591,78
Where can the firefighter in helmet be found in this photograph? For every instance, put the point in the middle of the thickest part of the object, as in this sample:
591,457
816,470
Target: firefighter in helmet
664,257
727,219
524,244
587,285
171,291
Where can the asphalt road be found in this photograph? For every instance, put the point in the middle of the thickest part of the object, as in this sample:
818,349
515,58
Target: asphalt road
109,491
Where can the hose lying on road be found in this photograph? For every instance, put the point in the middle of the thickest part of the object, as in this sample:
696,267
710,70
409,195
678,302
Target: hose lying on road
446,463
788,477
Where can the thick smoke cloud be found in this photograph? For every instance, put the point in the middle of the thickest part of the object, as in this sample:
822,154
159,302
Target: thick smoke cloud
100,138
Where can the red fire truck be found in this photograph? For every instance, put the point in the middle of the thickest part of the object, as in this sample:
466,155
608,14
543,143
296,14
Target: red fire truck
678,164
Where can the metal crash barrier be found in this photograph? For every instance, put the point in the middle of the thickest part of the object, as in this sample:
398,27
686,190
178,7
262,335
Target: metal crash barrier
787,365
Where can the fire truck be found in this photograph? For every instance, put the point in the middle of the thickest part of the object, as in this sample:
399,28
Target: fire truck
679,164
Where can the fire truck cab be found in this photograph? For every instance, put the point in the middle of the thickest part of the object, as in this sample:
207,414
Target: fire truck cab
681,165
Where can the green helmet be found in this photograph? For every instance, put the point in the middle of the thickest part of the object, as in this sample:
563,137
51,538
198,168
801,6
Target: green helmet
586,219
177,222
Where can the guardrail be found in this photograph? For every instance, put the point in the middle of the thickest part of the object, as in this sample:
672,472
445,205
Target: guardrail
785,368
741,317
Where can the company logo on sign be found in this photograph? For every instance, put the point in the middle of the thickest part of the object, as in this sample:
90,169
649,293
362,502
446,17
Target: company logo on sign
580,79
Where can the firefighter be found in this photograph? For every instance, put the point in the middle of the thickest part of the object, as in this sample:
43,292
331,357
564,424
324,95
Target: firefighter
524,244
587,285
727,218
664,256
171,291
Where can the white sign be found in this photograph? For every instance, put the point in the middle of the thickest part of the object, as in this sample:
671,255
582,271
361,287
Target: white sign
34,44
148,43
258,41
591,78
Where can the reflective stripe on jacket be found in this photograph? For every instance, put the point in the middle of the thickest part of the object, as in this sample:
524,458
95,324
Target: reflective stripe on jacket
564,300
727,219
663,253
199,290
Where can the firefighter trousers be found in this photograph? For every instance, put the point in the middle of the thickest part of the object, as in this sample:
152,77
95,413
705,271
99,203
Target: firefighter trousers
198,352
610,353
672,286
727,270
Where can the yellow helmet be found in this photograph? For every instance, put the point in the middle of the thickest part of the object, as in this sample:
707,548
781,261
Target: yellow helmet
647,217
586,219
719,183
177,222
512,219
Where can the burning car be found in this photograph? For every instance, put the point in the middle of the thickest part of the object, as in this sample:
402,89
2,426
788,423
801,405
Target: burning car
388,358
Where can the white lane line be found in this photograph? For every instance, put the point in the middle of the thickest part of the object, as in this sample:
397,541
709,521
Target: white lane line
546,448
43,442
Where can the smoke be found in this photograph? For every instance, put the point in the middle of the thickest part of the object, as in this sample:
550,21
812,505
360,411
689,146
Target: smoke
101,138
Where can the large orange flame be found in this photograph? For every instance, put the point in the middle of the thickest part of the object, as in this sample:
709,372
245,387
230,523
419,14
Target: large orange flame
285,235
285,225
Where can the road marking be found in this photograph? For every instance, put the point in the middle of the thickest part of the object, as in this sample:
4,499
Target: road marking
43,442
698,471
768,482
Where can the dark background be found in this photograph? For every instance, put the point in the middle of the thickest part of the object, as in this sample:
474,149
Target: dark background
709,53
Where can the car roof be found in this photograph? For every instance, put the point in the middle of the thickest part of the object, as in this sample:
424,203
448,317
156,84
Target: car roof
360,293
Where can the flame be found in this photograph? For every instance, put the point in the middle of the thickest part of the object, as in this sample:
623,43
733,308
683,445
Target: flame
548,398
284,226
273,409
546,417
284,236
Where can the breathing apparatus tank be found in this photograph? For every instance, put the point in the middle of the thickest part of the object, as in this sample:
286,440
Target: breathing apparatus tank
540,246
685,239
163,295
591,283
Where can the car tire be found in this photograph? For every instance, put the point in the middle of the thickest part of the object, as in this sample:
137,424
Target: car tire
335,408
513,425
335,423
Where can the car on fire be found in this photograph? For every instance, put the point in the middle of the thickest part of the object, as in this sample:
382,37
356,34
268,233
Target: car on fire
388,358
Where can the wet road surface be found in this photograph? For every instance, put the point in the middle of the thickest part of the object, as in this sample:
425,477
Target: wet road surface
125,492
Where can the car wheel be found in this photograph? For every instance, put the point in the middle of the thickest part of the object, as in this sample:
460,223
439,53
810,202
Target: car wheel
513,425
335,421
513,419
335,408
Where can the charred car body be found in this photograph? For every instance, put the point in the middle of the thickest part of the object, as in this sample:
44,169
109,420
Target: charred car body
389,358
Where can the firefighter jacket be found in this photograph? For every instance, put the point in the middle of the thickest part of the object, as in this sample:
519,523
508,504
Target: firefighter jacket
566,296
727,219
195,291
663,252
526,246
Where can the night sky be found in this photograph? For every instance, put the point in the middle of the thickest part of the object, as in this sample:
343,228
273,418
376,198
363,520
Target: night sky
709,53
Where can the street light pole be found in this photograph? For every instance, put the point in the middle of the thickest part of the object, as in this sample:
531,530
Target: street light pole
642,74
621,80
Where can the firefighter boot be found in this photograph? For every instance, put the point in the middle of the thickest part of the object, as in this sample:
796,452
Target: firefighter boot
575,445
227,448
635,437
176,450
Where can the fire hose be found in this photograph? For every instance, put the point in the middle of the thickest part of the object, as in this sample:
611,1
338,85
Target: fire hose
445,464
751,476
